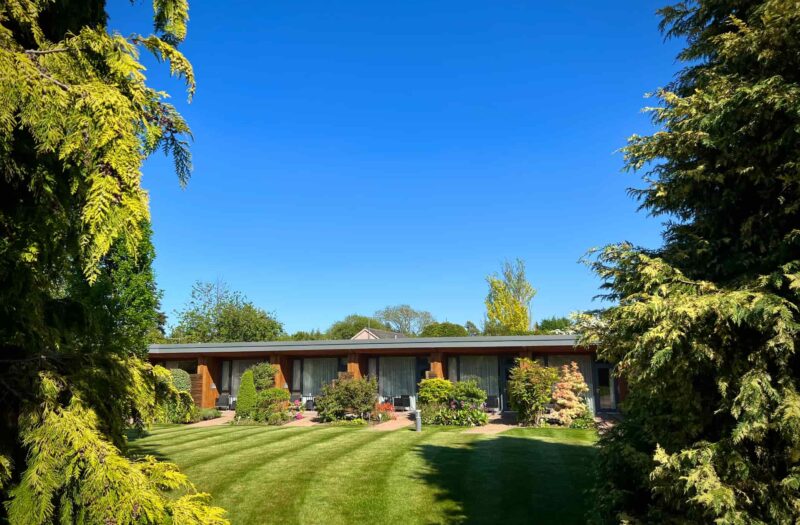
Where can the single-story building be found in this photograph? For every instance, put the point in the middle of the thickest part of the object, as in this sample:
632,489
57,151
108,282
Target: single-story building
399,363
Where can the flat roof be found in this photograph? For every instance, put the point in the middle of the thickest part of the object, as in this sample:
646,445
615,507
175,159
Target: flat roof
408,343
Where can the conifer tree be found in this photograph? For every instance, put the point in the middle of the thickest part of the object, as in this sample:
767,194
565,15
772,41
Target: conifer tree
76,122
705,330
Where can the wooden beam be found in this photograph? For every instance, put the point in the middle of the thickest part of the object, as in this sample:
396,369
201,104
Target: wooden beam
280,376
208,390
437,366
354,365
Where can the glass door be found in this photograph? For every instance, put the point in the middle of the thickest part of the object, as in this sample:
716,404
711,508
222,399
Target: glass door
606,388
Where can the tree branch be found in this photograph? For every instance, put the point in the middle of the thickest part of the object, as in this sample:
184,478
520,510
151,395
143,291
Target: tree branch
46,51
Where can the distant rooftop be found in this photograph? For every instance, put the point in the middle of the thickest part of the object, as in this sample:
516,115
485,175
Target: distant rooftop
374,333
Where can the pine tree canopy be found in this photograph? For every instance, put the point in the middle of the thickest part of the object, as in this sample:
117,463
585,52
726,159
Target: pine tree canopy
77,295
706,327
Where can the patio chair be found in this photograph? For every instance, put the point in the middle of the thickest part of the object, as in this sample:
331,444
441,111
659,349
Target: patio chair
310,404
402,402
224,402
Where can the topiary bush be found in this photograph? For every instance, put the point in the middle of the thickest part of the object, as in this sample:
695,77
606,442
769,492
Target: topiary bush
181,379
434,391
530,389
264,375
270,404
172,405
468,394
347,396
246,398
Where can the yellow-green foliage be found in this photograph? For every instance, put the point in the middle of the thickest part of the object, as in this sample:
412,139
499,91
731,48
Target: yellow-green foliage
76,122
508,301
84,100
74,471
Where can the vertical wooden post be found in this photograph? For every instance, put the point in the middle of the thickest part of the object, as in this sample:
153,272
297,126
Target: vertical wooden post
208,391
437,367
280,378
354,365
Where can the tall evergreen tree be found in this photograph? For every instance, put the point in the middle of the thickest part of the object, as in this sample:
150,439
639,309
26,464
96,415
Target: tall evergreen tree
706,327
76,122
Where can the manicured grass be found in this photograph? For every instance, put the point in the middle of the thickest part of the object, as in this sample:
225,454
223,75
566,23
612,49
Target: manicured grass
332,475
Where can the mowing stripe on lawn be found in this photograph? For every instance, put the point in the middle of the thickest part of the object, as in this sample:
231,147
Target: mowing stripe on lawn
204,455
195,440
183,431
352,487
273,489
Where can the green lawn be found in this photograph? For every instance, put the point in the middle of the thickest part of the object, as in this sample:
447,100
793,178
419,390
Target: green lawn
331,475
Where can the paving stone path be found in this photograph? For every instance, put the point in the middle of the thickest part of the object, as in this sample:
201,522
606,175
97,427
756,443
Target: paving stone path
309,419
226,417
402,421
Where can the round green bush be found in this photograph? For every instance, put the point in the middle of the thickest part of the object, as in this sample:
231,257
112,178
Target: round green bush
433,391
181,379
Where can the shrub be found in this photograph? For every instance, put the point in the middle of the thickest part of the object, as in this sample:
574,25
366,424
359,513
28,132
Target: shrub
468,393
383,412
530,389
173,405
181,379
246,399
446,414
357,422
264,376
278,418
432,391
270,402
446,403
347,396
205,414
569,394
583,421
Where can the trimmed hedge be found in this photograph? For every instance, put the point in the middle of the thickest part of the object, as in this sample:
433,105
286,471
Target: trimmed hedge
246,398
181,380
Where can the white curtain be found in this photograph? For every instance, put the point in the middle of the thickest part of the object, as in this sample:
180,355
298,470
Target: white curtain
318,371
237,369
483,369
584,364
397,376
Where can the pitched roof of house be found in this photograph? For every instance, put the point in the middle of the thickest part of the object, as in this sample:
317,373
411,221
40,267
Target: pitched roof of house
382,334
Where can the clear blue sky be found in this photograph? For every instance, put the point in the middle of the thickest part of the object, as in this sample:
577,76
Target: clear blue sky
352,155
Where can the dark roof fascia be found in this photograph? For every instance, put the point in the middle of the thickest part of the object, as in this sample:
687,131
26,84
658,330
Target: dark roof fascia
411,343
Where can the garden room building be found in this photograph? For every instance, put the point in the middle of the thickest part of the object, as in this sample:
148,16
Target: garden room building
398,364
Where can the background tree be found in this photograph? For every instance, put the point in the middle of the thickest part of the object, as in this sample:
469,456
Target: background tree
76,122
508,301
554,325
216,314
404,319
472,329
354,323
444,329
706,327
126,285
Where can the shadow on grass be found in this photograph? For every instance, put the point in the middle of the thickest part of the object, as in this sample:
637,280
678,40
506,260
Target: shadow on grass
511,480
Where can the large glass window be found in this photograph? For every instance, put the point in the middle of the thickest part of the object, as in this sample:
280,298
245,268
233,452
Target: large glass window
481,368
318,371
397,376
297,375
452,368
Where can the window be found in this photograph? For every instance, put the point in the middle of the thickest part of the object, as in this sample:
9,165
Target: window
452,368
188,365
372,367
225,380
297,375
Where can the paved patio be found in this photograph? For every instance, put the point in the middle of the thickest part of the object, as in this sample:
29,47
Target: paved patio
403,420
